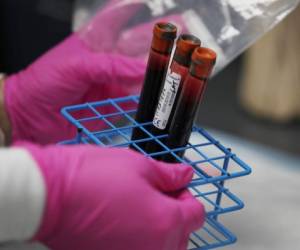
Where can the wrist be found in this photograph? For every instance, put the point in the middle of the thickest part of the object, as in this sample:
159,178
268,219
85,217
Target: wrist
50,169
4,120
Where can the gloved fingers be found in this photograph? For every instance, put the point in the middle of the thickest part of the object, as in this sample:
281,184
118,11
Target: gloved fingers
169,177
192,210
184,242
102,32
112,70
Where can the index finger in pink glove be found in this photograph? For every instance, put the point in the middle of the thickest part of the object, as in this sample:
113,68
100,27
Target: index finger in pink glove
168,177
191,208
193,219
113,199
68,74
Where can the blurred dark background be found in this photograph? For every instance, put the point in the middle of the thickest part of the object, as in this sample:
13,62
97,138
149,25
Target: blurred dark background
29,28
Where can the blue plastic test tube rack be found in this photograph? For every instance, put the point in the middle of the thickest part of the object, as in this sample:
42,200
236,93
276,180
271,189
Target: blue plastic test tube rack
109,123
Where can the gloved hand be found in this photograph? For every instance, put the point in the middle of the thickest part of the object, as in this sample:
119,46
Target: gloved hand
115,14
120,34
68,74
109,198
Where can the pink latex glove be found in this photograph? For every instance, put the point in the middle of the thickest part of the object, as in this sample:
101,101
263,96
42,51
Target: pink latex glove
102,32
116,199
68,74
116,36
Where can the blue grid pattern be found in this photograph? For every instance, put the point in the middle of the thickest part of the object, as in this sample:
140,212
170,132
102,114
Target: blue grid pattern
109,123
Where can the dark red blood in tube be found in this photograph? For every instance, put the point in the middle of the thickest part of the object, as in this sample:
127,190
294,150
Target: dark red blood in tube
164,35
177,73
203,61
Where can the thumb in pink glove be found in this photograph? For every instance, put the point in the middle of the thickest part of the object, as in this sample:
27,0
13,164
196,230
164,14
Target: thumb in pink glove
102,32
114,199
68,74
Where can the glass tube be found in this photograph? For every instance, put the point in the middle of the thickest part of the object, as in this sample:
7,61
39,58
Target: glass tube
203,61
164,35
176,75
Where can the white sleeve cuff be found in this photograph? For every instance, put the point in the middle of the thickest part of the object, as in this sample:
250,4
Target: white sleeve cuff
22,195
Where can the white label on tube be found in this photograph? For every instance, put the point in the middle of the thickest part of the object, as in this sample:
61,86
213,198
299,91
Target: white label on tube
166,100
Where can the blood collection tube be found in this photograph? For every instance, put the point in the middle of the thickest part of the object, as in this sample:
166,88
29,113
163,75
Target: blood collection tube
176,75
164,35
203,61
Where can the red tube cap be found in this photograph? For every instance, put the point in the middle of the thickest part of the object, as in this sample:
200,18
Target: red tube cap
164,35
203,61
185,46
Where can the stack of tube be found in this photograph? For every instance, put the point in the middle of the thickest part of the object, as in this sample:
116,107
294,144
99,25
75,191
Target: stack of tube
171,95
